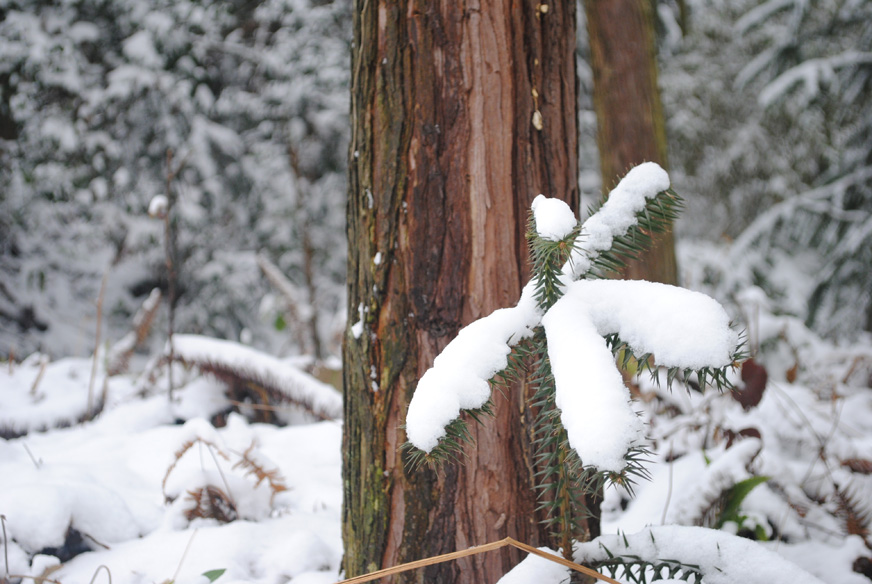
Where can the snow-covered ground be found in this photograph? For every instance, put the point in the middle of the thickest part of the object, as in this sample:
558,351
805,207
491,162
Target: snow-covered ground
146,487
116,485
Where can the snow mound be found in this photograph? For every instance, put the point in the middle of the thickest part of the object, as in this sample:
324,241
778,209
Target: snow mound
38,394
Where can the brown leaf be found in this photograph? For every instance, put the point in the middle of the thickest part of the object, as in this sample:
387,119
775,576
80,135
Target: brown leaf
754,378
858,465
211,502
743,433
791,373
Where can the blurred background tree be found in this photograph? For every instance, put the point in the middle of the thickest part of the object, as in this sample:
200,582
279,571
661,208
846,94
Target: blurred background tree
251,100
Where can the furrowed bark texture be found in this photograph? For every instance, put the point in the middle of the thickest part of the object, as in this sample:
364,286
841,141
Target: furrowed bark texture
630,124
444,163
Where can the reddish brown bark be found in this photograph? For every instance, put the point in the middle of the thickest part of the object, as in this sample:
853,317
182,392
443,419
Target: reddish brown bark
444,163
630,125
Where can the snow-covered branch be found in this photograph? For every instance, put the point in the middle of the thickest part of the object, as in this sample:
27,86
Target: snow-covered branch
459,378
617,215
682,329
766,222
811,74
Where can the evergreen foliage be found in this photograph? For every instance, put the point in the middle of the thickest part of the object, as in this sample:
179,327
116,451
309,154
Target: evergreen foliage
634,569
567,484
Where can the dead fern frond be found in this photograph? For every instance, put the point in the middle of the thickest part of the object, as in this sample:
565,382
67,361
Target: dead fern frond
858,465
122,351
177,456
855,515
210,502
254,376
256,468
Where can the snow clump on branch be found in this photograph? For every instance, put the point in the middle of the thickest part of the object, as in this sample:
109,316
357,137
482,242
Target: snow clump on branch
682,329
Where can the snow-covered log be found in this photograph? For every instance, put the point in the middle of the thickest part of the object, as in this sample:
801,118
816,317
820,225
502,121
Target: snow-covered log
228,360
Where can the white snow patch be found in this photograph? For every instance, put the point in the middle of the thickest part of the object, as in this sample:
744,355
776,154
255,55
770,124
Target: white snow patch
39,394
722,558
158,206
357,327
83,31
139,48
554,219
593,400
536,569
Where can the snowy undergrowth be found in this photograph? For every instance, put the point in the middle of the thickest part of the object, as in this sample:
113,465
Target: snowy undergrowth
806,433
119,491
773,461
811,437
104,478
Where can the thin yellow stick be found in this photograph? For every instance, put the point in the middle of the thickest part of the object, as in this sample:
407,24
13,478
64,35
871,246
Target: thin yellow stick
480,549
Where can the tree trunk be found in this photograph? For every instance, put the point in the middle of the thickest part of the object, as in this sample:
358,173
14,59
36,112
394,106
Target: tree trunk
444,163
630,124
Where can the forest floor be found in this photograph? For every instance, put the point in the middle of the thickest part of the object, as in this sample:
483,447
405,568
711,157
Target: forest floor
151,491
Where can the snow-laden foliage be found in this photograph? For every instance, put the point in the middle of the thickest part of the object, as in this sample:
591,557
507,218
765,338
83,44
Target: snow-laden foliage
566,332
804,447
577,316
771,142
682,329
249,99
717,557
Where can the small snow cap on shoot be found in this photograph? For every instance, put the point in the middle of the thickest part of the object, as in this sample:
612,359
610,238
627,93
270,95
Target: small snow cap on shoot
554,219
157,208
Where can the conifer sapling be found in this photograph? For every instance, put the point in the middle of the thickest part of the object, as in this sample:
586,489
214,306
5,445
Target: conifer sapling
566,332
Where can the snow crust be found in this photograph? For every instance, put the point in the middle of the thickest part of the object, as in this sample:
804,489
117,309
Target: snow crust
554,219
459,376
